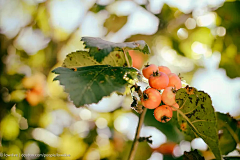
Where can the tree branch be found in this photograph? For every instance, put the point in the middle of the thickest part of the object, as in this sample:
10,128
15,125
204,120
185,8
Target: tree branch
137,135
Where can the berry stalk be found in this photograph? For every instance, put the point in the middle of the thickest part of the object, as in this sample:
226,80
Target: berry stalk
137,135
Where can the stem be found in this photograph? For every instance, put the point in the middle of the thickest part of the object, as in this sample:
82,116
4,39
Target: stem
125,55
137,135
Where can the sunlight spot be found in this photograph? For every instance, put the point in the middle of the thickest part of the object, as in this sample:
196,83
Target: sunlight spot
94,154
182,33
79,127
206,20
158,137
221,31
177,151
199,48
168,54
156,156
199,144
101,123
190,23
85,114
181,148
31,147
121,123
102,140
45,136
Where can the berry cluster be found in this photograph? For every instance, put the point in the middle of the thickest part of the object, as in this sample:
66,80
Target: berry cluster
161,95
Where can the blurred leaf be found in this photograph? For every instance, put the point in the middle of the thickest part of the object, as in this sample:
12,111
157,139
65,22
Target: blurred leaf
42,20
90,84
166,15
99,48
231,65
96,8
202,35
71,145
15,150
9,128
192,155
229,14
228,138
18,95
114,23
196,117
82,58
143,151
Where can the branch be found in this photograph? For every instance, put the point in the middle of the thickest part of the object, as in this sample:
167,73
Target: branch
137,135
125,55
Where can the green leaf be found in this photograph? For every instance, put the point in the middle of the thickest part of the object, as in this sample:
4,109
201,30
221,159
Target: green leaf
82,58
100,49
90,84
227,127
114,23
196,117
143,152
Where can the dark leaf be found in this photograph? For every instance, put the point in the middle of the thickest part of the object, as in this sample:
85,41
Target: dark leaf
90,84
192,155
228,129
196,117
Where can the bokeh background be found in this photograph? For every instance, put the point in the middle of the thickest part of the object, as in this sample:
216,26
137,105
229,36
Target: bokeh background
198,38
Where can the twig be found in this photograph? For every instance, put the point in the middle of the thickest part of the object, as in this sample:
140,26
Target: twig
137,135
125,55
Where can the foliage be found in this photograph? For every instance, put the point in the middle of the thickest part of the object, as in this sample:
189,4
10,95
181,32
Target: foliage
36,115
90,84
196,117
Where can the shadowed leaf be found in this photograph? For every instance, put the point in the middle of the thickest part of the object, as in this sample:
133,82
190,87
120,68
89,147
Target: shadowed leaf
90,84
227,127
192,155
196,117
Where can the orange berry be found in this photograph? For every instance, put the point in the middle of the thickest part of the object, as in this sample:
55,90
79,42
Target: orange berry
163,113
168,96
174,81
158,80
166,148
149,69
176,106
164,69
137,58
33,98
151,98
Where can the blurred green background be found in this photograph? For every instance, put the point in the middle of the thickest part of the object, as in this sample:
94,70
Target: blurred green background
198,38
